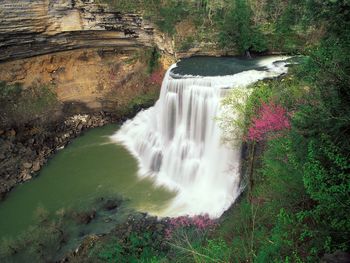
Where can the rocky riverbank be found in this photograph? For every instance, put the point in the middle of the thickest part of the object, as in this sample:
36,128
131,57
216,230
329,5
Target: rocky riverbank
24,152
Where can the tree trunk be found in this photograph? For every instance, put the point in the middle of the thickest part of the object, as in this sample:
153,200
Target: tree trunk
247,53
251,171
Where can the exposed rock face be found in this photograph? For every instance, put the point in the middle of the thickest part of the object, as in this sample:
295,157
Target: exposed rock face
80,47
93,77
35,27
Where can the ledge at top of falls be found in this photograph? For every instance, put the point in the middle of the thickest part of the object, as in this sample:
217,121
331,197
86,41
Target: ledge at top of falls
35,27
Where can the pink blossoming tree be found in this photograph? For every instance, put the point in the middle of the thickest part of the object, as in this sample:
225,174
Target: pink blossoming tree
271,118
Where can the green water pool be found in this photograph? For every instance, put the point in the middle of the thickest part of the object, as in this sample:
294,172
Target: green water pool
90,167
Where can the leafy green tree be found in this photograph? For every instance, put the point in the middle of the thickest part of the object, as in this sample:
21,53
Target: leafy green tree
238,30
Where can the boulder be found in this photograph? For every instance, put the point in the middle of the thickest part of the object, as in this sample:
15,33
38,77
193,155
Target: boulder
27,165
111,205
25,176
89,123
36,166
12,133
84,217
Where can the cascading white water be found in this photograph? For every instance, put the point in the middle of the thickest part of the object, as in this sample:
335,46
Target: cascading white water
178,141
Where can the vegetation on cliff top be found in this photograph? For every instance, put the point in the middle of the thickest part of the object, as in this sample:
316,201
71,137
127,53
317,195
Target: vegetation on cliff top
236,26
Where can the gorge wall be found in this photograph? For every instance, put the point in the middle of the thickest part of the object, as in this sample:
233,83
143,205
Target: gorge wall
37,27
81,48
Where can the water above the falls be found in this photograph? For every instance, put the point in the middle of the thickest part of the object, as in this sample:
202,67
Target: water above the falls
178,141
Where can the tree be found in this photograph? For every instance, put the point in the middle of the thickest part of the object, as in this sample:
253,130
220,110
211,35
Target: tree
238,30
272,118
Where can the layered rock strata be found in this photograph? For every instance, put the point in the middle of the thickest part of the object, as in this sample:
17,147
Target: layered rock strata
34,27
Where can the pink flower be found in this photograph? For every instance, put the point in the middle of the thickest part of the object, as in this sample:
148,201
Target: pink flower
271,118
157,77
198,222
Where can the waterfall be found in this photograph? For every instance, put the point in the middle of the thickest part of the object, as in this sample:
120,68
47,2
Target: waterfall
178,141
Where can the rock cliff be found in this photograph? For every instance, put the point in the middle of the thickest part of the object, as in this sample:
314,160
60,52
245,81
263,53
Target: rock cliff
82,48
35,27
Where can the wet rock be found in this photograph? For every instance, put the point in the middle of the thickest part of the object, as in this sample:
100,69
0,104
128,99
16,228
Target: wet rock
36,166
25,176
27,165
89,123
84,217
22,150
107,220
111,205
12,133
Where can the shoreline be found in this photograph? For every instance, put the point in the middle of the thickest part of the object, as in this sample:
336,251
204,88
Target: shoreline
24,152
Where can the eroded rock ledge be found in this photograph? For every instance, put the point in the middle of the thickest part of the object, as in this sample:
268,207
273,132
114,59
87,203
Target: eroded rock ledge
35,27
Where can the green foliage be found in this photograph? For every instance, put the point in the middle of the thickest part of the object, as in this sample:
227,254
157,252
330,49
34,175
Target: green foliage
139,102
239,31
153,60
300,203
185,243
122,5
233,121
190,244
282,245
187,43
244,25
214,251
136,248
22,105
326,179
166,14
171,14
241,105
284,31
39,244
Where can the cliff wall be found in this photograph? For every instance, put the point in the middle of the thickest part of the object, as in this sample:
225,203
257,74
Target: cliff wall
90,54
35,27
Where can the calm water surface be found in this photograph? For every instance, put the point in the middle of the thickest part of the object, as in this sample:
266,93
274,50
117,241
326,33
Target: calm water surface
90,167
